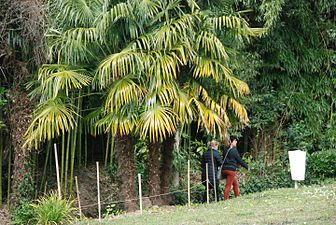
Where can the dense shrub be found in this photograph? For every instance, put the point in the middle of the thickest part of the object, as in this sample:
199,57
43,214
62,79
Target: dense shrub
322,164
24,214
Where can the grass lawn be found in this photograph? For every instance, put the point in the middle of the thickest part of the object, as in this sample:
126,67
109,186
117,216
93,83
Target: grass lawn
306,205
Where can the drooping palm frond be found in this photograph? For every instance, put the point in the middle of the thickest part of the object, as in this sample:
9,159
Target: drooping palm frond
111,16
164,68
183,106
51,119
62,77
123,122
92,119
238,23
146,9
72,46
210,44
123,92
119,65
175,31
157,123
239,110
210,68
212,103
210,120
76,12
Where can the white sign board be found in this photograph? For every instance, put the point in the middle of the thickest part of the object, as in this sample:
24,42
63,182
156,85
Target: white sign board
297,162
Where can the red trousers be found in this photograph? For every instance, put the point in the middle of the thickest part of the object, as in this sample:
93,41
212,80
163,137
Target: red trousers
231,180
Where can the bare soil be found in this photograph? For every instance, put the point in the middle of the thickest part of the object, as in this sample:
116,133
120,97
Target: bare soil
4,216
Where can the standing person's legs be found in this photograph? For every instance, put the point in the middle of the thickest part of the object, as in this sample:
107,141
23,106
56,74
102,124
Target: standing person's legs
235,187
229,181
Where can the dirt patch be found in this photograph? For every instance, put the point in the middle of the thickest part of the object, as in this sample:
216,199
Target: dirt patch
87,183
4,216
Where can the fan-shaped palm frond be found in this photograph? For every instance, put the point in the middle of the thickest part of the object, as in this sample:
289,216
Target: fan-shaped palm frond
119,65
157,123
61,77
77,12
51,119
121,123
123,92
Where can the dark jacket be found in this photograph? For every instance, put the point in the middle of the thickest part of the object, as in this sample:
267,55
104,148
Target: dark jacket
207,159
232,160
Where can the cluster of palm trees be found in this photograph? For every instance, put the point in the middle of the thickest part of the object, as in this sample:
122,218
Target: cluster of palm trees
136,69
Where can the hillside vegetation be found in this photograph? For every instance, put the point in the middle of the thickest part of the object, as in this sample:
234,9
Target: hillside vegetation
306,205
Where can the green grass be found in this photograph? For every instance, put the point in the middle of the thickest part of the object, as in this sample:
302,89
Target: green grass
306,205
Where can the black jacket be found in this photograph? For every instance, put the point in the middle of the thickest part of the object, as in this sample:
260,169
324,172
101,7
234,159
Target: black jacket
207,159
232,160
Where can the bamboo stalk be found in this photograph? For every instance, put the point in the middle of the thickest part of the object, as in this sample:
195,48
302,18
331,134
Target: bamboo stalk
107,149
67,164
62,159
73,153
1,156
9,177
45,166
85,147
80,136
112,150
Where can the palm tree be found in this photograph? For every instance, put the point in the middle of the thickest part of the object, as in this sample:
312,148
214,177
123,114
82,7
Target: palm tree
177,40
156,65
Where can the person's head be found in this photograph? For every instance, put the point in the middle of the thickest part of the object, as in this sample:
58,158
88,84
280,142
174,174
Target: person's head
213,144
233,141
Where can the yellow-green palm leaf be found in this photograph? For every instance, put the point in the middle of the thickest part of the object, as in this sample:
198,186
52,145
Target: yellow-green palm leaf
157,123
61,77
123,92
51,119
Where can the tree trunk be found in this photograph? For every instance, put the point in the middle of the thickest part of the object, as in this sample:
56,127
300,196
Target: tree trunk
166,168
19,119
154,173
126,170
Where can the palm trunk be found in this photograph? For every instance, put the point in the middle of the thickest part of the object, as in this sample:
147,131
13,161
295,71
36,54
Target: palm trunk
19,120
126,170
166,167
154,173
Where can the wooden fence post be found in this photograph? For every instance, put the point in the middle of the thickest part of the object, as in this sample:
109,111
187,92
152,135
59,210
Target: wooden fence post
79,204
99,207
57,172
189,183
207,181
140,193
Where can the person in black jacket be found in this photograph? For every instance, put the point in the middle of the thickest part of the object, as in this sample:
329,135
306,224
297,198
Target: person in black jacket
230,166
213,159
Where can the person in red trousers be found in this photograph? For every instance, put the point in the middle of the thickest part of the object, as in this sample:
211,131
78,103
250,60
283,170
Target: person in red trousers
230,166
